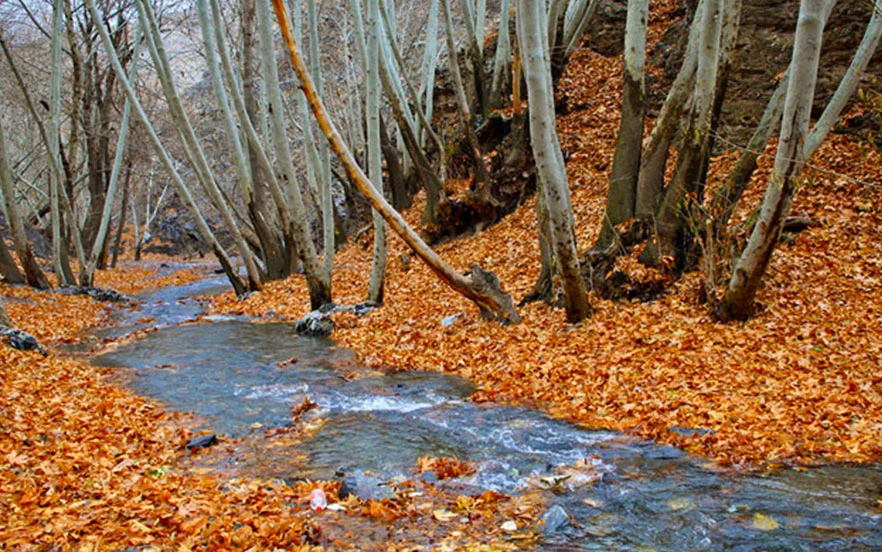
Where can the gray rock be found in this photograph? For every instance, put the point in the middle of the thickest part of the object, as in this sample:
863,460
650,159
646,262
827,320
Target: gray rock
366,487
690,431
664,452
202,441
554,519
315,324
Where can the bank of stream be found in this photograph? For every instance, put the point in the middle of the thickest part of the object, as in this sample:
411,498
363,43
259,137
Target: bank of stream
606,491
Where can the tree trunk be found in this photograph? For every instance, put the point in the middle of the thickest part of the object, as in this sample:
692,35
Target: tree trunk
121,225
549,159
492,302
33,274
502,60
191,143
738,303
177,181
319,287
622,196
848,84
482,177
374,153
651,180
674,209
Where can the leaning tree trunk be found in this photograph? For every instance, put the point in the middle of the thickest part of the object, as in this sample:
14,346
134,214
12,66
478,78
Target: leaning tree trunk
496,98
549,159
738,303
622,195
651,181
848,84
481,287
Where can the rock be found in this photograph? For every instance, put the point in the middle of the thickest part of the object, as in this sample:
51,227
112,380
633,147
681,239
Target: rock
554,519
20,340
103,295
665,452
202,441
690,431
315,324
366,487
365,307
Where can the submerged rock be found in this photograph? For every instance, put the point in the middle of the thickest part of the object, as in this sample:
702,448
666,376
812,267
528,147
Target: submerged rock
365,487
690,431
315,324
202,441
554,519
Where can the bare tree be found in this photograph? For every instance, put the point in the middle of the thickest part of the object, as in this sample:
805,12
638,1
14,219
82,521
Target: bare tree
481,287
532,36
738,302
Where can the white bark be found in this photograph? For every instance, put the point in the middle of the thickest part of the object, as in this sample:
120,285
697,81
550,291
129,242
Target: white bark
180,187
502,59
319,288
490,304
374,153
193,147
113,185
547,154
53,132
847,85
789,162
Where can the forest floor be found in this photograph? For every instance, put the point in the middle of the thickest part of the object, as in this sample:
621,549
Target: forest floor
88,465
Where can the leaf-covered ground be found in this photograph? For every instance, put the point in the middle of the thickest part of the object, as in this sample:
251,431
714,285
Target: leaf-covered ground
799,383
86,465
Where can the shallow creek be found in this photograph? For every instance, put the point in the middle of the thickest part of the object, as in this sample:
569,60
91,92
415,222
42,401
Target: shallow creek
235,375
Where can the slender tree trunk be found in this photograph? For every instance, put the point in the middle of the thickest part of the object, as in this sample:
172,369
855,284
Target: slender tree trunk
33,274
374,153
651,179
502,60
274,254
622,197
121,225
848,84
482,176
193,147
87,273
738,303
319,287
54,139
491,300
549,159
674,210
177,181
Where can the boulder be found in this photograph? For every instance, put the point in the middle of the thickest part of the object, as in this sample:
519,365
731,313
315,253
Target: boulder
202,441
315,324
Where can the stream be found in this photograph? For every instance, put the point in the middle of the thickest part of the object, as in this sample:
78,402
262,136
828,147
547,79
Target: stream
240,378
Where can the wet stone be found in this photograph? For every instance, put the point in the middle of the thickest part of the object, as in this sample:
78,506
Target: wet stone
202,441
690,431
665,452
315,324
555,519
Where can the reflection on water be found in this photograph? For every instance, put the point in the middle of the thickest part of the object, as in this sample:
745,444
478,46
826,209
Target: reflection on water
241,375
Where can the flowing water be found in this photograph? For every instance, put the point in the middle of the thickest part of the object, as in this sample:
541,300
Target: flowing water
242,377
